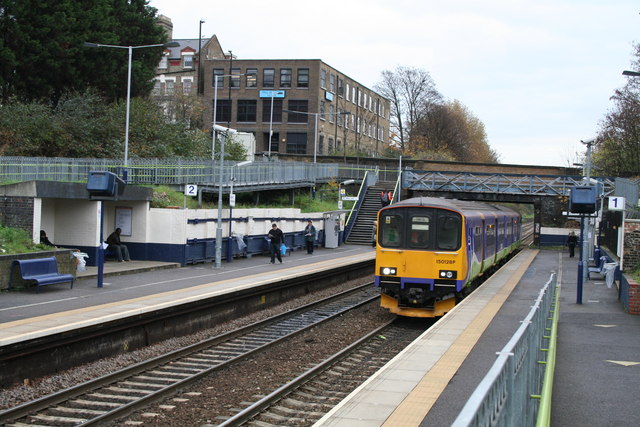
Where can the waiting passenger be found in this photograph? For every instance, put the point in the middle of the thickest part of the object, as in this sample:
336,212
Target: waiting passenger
44,239
122,252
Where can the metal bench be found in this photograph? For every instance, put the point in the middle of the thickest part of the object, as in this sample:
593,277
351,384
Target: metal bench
599,268
44,271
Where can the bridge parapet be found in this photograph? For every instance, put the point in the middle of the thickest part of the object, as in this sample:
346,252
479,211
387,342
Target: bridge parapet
541,185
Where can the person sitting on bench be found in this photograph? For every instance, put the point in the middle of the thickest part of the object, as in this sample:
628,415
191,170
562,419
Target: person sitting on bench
116,246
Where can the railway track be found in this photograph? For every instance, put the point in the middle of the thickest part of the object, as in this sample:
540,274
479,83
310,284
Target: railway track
304,400
115,395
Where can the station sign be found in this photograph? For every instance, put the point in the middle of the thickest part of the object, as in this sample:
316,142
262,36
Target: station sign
272,93
616,203
350,198
190,190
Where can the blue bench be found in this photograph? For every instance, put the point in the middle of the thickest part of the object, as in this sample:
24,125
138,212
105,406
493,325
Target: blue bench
599,268
44,271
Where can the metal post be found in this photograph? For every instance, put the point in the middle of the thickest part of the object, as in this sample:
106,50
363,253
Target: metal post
100,248
580,263
200,78
219,225
271,124
125,172
230,239
315,138
215,111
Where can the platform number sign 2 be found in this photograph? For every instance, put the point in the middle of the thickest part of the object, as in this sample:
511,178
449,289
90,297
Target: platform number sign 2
616,203
190,190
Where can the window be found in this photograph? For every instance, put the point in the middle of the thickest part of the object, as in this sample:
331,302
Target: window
320,144
449,231
390,233
186,86
157,88
420,232
296,142
268,77
303,77
223,111
332,83
348,90
331,113
187,61
298,105
169,86
285,77
275,143
247,110
235,77
277,110
323,109
252,77
323,79
217,76
164,61
340,87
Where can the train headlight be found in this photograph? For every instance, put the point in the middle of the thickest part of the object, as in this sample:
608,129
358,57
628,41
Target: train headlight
388,271
448,274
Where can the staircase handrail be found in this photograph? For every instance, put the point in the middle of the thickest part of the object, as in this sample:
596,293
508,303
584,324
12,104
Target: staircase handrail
351,219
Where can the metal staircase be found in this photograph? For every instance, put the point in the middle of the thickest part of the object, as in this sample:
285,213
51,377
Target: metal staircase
361,232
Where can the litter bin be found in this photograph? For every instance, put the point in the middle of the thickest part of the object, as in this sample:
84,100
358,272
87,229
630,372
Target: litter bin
609,272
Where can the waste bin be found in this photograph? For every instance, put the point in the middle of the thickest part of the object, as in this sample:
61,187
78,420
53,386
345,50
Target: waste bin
609,272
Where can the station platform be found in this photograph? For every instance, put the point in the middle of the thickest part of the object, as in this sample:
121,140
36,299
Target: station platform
598,357
597,361
151,286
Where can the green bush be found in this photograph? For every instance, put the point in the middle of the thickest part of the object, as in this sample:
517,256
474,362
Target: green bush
17,241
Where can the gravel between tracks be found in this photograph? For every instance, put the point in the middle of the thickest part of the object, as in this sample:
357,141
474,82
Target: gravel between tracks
253,382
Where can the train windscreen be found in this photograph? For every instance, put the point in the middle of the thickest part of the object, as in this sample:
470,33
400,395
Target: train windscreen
420,228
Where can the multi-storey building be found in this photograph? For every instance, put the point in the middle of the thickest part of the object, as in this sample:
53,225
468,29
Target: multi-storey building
306,105
302,103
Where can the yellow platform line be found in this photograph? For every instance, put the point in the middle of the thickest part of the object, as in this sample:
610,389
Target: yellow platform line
419,402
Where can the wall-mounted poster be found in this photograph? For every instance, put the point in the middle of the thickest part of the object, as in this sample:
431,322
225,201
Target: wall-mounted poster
123,220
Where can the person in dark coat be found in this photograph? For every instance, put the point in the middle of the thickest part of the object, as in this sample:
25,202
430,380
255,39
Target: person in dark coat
309,236
44,239
115,245
572,241
276,239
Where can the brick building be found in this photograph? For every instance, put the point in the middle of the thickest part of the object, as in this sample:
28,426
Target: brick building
302,103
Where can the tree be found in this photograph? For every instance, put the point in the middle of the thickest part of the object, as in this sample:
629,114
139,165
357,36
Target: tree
413,94
617,152
449,131
43,55
84,125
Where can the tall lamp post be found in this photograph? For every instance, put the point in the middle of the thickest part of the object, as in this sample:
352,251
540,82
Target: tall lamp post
200,81
126,129
226,131
315,132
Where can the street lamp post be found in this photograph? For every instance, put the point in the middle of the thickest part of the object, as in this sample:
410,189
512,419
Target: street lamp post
315,133
126,129
200,77
226,131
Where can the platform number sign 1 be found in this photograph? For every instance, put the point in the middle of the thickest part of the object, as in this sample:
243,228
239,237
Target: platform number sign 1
190,190
616,203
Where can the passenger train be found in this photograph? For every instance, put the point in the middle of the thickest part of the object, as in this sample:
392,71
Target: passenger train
430,252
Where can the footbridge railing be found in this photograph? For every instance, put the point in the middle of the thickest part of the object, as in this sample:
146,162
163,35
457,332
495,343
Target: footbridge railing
546,185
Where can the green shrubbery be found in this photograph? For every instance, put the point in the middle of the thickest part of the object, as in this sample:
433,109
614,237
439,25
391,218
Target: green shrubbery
17,241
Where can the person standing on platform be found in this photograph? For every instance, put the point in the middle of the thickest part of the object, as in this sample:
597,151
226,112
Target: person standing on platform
122,252
309,236
572,241
277,238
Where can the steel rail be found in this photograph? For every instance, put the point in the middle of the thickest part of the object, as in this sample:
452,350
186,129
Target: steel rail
46,402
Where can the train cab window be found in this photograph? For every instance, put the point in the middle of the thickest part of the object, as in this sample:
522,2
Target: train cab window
420,232
449,231
391,231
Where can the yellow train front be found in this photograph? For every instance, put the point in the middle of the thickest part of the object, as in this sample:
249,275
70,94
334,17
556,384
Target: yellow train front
430,251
